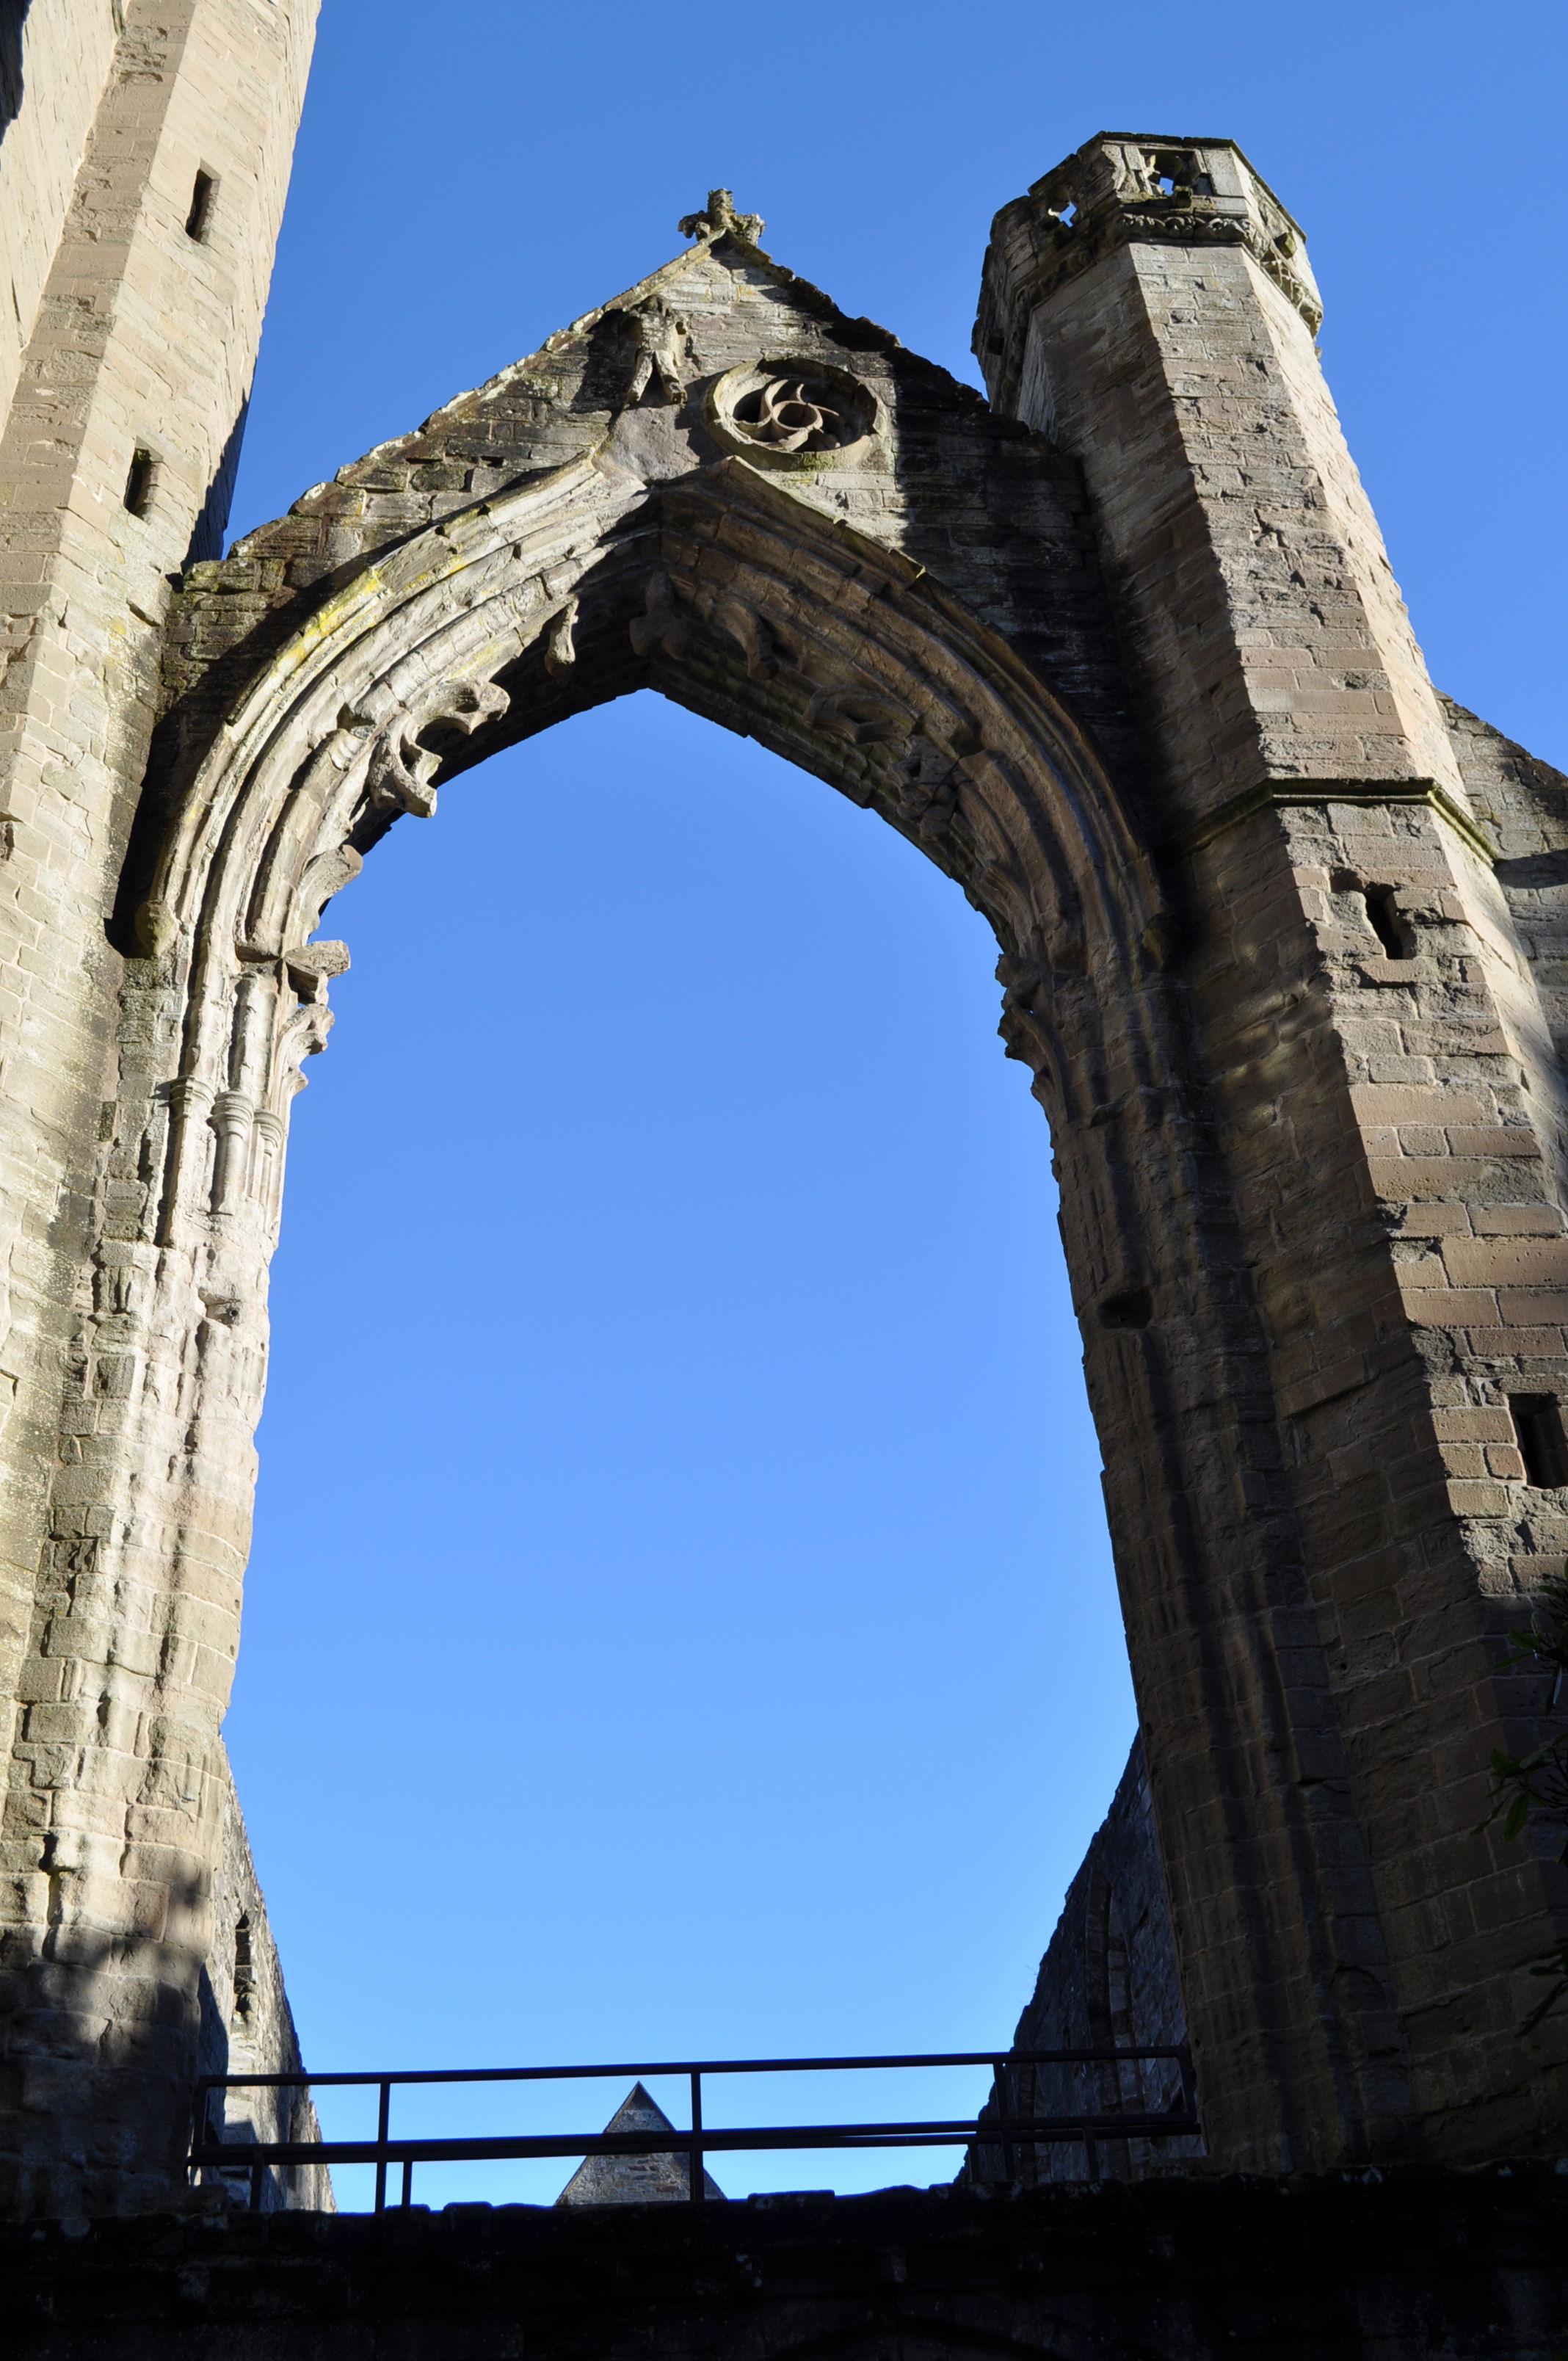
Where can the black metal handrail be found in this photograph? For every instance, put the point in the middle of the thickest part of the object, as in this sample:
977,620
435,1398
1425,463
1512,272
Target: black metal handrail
1007,2131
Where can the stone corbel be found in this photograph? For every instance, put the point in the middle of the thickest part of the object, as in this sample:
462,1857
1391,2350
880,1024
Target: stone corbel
310,966
922,791
401,769
1025,1026
662,626
860,716
560,643
399,775
751,633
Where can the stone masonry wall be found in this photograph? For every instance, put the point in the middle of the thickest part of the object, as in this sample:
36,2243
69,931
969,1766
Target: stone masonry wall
1386,1108
128,398
61,53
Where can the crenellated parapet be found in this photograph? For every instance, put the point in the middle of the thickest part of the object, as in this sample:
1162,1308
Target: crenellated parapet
1127,189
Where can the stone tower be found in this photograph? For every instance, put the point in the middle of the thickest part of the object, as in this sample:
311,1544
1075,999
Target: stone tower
1120,652
143,166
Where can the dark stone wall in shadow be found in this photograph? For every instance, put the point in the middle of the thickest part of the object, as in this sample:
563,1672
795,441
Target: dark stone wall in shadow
1413,2267
1109,1979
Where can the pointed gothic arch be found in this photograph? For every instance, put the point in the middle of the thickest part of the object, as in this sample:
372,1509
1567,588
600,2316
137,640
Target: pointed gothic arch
835,652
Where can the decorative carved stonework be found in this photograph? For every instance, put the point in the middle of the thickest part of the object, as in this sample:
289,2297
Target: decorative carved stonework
401,769
660,352
722,220
784,413
755,634
312,965
860,717
779,415
560,642
661,625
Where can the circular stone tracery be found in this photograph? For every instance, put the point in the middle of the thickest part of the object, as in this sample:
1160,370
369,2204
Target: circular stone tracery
780,415
783,412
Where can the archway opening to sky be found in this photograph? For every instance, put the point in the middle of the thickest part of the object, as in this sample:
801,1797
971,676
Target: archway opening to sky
680,1582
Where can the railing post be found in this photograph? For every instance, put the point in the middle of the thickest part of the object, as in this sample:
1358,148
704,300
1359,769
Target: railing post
201,2126
408,2180
1002,2111
381,2121
1189,2088
699,2171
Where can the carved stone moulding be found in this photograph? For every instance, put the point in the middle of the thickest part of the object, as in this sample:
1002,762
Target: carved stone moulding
780,415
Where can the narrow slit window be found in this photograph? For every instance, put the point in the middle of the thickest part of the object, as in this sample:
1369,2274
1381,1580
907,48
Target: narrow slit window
140,482
244,1971
201,210
1543,1446
1391,930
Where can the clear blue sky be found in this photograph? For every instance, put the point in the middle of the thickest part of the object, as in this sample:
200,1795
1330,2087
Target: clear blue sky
681,1619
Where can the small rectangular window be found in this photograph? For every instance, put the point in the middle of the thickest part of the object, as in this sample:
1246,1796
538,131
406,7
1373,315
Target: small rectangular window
196,220
140,482
1543,1446
1391,930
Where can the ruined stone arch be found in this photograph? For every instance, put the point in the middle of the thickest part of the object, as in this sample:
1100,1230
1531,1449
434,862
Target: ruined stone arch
746,602
834,651
874,612
1052,655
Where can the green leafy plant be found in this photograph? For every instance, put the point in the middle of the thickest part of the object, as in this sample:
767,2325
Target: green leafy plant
1535,1786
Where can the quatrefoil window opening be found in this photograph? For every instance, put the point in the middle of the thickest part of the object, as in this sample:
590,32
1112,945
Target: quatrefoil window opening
784,412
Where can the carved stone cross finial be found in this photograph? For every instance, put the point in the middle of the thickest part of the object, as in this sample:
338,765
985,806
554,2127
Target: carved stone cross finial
721,218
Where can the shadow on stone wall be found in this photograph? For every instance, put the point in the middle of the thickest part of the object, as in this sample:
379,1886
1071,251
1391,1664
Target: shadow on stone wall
207,534
13,16
100,2097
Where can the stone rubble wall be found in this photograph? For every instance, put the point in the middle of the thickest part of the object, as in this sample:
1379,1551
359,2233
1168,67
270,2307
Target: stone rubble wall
1109,1979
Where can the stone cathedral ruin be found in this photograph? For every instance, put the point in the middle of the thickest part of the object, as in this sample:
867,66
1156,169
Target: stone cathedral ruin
1283,940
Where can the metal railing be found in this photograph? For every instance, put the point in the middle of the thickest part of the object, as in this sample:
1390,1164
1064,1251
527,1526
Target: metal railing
1000,2127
